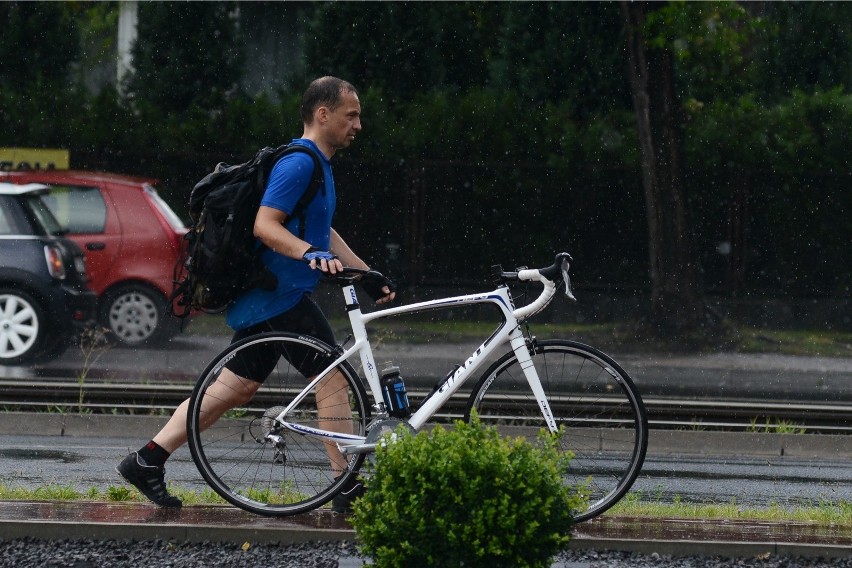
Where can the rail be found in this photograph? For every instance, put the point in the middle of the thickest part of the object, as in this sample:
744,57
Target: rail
48,394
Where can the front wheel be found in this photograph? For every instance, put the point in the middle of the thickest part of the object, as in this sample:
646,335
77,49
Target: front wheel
24,332
594,402
251,459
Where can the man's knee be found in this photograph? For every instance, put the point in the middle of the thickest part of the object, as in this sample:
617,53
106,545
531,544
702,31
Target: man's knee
234,390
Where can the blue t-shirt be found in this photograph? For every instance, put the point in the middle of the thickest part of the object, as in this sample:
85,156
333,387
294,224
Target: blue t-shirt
288,181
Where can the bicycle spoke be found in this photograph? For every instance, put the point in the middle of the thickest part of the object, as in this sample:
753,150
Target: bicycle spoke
255,463
591,398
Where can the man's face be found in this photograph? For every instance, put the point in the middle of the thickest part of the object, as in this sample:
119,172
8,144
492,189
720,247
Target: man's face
344,122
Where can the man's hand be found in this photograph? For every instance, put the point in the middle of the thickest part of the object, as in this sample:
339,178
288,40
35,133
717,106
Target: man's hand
380,288
322,260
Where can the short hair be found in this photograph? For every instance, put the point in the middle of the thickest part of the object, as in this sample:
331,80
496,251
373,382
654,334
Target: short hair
325,91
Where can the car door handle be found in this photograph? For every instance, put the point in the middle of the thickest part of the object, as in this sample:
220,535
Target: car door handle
95,246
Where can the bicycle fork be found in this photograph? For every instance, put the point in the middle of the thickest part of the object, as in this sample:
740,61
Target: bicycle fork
523,353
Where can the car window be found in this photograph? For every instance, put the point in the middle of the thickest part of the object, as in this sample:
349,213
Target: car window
41,213
78,209
13,221
5,222
172,217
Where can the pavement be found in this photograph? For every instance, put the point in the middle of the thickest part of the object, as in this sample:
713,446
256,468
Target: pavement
725,374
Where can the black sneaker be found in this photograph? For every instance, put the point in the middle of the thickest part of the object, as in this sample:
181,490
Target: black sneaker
148,479
342,502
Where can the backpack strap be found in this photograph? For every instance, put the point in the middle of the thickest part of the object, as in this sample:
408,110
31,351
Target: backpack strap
317,182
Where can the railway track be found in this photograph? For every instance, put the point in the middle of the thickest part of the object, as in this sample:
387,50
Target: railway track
47,394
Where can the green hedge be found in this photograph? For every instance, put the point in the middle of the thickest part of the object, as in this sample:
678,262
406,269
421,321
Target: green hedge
465,497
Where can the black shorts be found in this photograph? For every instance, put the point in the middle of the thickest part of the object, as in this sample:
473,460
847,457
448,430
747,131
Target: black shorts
305,318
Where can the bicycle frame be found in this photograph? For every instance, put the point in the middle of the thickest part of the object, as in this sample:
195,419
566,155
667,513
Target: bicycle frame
508,332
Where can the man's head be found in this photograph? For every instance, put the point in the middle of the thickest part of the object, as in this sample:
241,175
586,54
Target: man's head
331,113
324,92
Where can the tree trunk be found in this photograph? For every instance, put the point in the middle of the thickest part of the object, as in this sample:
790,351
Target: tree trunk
676,303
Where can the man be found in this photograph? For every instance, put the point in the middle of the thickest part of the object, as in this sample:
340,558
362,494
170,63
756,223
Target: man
331,115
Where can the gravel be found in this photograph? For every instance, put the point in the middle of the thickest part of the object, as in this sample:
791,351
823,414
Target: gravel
140,554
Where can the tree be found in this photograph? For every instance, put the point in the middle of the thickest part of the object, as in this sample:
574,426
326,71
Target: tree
562,51
404,48
185,56
676,304
39,43
807,46
681,55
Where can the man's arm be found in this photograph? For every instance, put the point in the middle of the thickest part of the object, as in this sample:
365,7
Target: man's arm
344,253
269,228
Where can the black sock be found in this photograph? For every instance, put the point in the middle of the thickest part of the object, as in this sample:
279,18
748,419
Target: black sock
153,454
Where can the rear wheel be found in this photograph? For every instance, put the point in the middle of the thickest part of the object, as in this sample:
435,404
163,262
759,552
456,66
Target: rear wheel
592,399
136,314
54,347
249,458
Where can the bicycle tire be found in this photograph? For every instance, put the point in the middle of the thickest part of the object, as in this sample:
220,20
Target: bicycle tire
286,473
606,424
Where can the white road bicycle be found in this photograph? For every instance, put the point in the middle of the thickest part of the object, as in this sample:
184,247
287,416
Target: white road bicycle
274,456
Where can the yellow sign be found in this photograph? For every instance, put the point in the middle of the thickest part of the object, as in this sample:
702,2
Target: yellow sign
33,159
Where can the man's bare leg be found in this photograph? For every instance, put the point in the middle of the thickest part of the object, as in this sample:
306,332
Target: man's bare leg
146,472
335,414
229,391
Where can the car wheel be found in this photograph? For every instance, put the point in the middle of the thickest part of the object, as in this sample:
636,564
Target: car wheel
23,327
53,351
136,314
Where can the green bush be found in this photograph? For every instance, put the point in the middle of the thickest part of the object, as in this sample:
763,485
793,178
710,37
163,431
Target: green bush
465,497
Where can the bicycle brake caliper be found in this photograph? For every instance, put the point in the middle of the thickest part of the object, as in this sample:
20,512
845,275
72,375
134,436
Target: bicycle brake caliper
529,339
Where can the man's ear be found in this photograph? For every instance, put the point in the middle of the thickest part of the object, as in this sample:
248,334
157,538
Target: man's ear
321,115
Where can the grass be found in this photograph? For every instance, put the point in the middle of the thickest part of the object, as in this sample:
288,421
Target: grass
796,342
828,513
112,494
836,514
779,426
93,345
624,337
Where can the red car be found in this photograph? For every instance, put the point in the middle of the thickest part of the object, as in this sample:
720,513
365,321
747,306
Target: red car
132,240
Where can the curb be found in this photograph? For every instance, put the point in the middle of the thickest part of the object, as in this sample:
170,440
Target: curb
60,530
123,521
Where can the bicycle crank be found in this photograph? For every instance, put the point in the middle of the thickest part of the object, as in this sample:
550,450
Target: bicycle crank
377,431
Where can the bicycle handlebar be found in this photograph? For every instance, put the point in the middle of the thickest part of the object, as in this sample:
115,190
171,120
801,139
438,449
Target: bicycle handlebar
348,275
548,276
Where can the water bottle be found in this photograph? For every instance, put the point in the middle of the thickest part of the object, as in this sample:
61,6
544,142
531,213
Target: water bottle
393,391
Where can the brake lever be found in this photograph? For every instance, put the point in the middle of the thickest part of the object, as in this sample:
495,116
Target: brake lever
567,279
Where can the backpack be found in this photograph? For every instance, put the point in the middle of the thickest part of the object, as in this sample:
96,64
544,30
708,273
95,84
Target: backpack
221,259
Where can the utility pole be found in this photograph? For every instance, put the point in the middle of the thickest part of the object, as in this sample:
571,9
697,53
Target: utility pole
128,17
